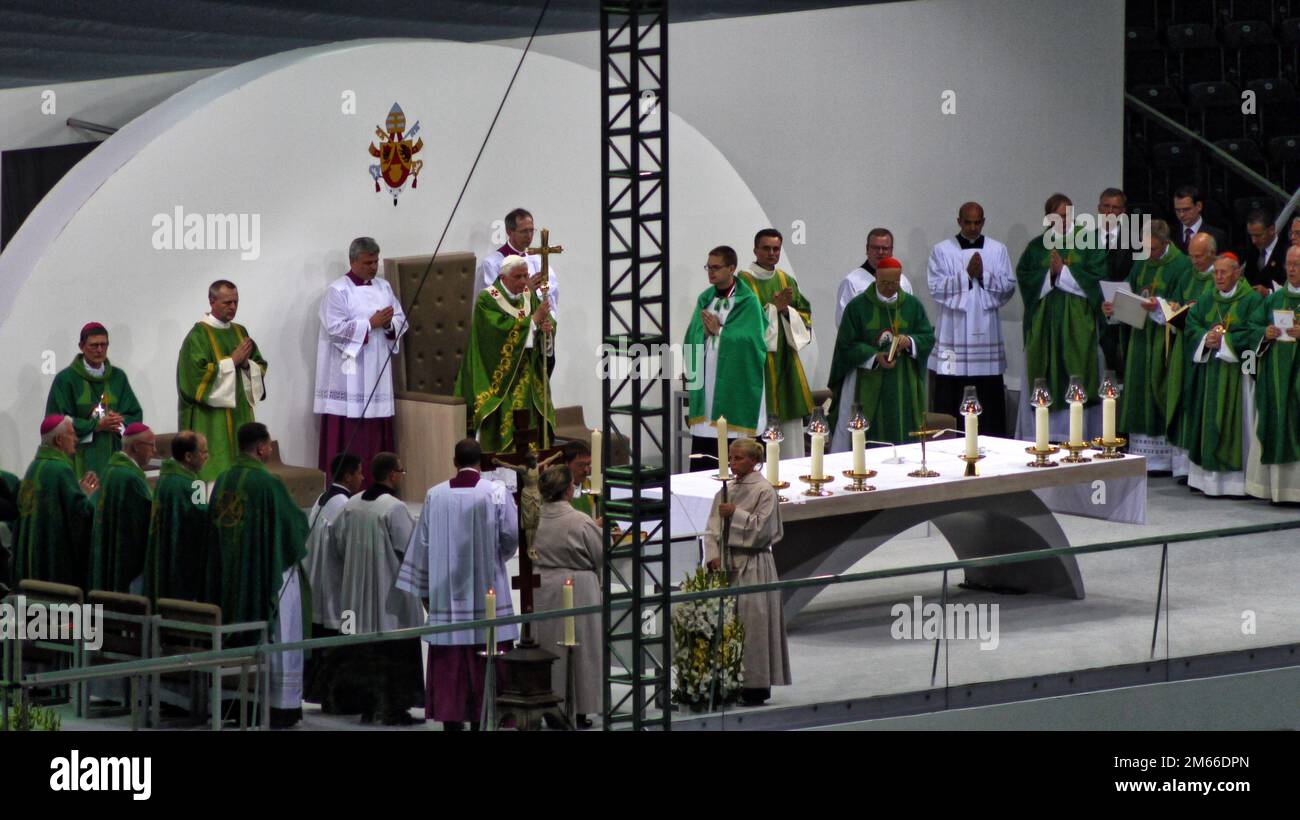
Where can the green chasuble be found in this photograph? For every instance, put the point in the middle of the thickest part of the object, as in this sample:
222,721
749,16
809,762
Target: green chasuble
121,530
582,503
1212,419
893,400
55,518
213,399
500,374
76,392
788,394
179,534
1060,329
1153,371
1196,286
1277,387
731,361
260,533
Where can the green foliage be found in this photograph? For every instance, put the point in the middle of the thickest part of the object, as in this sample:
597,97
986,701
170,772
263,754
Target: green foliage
696,661
36,719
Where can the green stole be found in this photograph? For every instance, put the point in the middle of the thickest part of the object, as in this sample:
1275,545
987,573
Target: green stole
1212,432
1277,387
1153,371
197,369
52,540
893,400
788,394
1060,329
179,536
121,530
498,374
737,387
582,503
75,392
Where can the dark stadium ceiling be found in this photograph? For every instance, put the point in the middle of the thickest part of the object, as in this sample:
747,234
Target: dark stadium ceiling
55,41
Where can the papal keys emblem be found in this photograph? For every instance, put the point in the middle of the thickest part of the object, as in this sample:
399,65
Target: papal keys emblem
396,153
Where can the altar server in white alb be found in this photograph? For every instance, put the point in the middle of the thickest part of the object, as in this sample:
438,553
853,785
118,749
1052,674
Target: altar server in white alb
880,245
970,278
519,236
361,324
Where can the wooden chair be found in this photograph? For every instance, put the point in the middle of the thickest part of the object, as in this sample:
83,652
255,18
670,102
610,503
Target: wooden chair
187,627
125,637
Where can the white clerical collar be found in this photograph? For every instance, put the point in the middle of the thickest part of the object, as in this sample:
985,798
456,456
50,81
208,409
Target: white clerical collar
94,371
215,322
1229,291
1208,271
891,300
760,272
1168,246
1292,289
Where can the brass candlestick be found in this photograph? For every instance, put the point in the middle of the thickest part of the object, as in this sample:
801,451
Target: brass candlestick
970,472
816,490
1110,449
859,484
1041,456
1074,457
783,485
924,471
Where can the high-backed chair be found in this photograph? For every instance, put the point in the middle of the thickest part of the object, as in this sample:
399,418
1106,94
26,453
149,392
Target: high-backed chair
125,637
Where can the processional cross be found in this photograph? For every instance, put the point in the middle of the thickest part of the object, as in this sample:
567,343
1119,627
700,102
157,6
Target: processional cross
544,287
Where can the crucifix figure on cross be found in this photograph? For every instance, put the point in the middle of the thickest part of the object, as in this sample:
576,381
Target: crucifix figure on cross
543,288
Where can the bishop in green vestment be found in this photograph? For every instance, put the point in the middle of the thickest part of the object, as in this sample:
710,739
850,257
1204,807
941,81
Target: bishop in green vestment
99,399
121,531
724,357
55,513
504,368
879,320
1198,284
180,531
1153,372
789,330
1273,469
220,376
255,569
1220,330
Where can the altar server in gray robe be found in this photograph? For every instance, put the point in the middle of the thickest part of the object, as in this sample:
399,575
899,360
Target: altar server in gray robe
569,546
372,532
755,525
324,569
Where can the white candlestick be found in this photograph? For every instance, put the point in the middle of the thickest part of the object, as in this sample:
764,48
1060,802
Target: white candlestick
859,451
491,604
1076,424
723,460
1040,429
773,463
1108,419
597,476
972,435
818,445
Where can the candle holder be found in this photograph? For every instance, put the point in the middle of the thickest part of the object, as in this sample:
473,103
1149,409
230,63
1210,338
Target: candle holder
816,482
1041,456
1075,449
859,484
970,472
784,485
570,683
1110,449
924,471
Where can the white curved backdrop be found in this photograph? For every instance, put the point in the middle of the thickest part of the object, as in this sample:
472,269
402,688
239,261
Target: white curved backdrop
271,138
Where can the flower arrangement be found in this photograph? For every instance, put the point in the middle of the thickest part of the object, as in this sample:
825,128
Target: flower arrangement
34,719
698,657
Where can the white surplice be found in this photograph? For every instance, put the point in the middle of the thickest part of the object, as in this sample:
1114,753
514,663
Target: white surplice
350,353
322,566
222,393
373,537
968,335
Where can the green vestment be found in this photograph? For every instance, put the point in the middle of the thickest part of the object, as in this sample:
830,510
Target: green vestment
1196,287
735,374
201,379
1060,329
786,384
259,533
892,400
501,374
121,530
76,392
180,533
1153,369
1277,387
1212,423
55,519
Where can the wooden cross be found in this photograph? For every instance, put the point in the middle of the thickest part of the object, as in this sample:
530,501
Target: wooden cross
527,580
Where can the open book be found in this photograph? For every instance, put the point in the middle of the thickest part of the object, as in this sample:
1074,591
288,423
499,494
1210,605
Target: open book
1175,315
1128,308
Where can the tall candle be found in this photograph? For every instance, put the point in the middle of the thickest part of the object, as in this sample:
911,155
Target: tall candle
972,435
1076,424
722,446
491,604
859,451
773,463
818,445
570,634
1040,429
1108,420
597,476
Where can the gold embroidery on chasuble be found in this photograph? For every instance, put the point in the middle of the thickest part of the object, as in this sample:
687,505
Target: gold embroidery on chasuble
230,509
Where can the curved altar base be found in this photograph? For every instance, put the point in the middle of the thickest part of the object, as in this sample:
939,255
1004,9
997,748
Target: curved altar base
1020,522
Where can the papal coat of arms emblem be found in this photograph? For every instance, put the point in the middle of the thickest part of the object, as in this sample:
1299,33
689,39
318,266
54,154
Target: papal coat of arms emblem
396,153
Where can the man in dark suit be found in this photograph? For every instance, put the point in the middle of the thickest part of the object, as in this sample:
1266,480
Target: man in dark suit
1188,204
1265,258
1112,206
